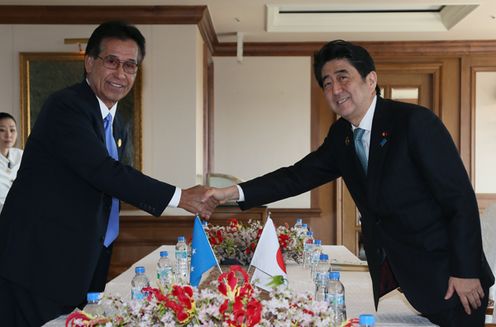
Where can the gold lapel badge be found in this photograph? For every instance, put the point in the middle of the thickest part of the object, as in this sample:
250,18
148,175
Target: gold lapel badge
119,143
347,140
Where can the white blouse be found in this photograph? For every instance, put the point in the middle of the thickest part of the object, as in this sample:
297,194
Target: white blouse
8,171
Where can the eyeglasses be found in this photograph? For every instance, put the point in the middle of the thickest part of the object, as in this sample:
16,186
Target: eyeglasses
112,62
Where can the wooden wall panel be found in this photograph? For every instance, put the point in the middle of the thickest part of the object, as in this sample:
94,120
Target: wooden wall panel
140,235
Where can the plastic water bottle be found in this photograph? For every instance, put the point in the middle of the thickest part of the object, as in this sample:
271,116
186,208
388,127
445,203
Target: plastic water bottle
182,266
93,307
366,320
298,226
315,256
165,273
321,289
336,299
321,270
307,249
139,282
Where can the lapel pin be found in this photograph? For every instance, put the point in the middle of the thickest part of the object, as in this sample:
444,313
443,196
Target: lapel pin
347,140
119,143
384,140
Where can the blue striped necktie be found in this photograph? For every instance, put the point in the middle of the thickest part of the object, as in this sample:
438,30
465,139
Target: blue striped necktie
360,149
113,222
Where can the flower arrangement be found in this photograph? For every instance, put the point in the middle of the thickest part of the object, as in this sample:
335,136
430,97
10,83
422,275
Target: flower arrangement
238,242
234,303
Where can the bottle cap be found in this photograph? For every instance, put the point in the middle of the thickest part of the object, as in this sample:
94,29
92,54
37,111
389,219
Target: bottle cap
164,254
324,257
317,242
93,297
180,239
309,233
305,225
299,220
334,275
139,270
367,320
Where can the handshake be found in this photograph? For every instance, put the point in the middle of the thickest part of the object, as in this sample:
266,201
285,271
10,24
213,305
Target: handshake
202,200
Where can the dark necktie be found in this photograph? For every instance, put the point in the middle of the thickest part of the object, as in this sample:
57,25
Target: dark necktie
113,222
360,149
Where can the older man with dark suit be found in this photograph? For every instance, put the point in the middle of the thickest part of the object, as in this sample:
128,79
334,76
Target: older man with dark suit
420,220
61,216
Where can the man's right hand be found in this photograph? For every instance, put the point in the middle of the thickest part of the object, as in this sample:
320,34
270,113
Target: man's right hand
196,201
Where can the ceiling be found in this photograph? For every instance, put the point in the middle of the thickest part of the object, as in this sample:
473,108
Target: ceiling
249,17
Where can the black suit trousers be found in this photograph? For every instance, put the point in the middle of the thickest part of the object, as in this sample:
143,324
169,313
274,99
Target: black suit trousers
456,317
21,308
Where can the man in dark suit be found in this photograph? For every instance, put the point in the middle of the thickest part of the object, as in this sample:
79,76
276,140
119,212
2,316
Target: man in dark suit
419,214
61,215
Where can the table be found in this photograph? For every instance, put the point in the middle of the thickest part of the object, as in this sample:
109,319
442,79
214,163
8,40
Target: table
393,309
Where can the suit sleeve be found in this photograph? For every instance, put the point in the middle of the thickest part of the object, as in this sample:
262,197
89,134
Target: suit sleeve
440,163
315,169
74,139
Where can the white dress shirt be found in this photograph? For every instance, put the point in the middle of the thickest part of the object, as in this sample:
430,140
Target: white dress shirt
366,124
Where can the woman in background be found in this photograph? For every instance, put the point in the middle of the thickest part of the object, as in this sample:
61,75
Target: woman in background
10,157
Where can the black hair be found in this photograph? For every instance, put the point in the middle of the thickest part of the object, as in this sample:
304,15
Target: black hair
5,115
115,30
356,55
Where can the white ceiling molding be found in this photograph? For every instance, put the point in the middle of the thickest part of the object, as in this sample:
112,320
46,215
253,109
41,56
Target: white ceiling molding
354,18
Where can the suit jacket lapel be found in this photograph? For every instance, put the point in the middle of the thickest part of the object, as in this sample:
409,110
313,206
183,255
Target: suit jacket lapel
118,132
351,155
354,175
94,107
379,145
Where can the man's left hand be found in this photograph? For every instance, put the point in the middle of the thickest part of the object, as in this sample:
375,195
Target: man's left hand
469,291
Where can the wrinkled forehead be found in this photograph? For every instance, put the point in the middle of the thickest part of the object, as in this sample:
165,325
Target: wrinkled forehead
337,66
7,122
109,45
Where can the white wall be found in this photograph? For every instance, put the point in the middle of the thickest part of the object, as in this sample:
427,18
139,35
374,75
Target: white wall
485,132
265,100
171,99
262,117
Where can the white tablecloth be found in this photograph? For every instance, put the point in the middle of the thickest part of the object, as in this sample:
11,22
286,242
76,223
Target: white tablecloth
393,310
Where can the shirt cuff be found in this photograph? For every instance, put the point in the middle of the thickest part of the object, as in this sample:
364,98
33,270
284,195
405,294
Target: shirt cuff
174,202
241,194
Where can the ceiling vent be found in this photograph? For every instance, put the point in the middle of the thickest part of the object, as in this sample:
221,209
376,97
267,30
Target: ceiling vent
362,18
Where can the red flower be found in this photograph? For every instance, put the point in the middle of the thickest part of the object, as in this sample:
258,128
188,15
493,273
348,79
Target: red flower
283,241
239,308
76,315
180,300
234,224
215,239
